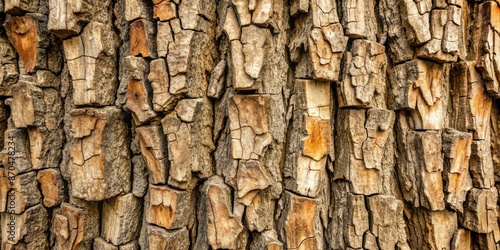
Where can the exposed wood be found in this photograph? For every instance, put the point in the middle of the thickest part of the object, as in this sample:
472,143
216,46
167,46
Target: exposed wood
91,58
186,132
120,219
169,208
52,187
141,38
300,224
100,168
68,17
25,35
363,75
312,138
75,227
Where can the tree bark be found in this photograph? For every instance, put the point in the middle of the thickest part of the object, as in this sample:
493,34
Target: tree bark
249,124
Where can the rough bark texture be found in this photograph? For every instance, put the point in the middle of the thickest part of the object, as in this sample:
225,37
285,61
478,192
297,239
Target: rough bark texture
249,124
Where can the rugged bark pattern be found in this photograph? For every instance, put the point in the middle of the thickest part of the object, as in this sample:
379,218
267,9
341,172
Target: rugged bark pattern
249,124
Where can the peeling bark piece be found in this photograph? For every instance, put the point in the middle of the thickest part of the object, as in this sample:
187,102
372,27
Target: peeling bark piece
21,192
248,116
186,109
52,187
159,238
192,11
262,12
251,176
378,124
153,145
249,140
354,18
137,68
141,39
386,221
326,46
443,45
452,30
91,63
349,160
75,228
417,85
215,217
30,229
486,37
406,170
457,151
365,72
300,225
231,26
121,219
391,17
432,229
259,214
415,16
480,111
471,103
187,60
170,208
480,210
100,167
158,76
26,33
267,240
217,80
308,176
366,133
481,165
313,97
254,40
311,140
164,37
357,221
179,142
196,137
420,166
138,90
68,17
138,101
28,106
135,9
324,13
165,10
424,150
241,80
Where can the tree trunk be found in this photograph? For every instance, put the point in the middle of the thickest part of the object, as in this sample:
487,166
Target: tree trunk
249,124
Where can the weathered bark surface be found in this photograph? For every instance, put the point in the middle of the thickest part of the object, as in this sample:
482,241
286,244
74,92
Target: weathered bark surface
249,124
